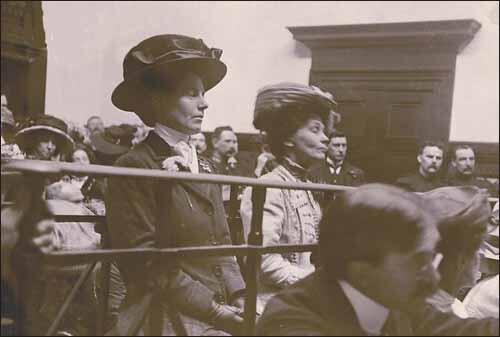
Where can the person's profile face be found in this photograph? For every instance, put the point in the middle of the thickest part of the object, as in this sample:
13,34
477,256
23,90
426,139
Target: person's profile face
405,278
310,142
95,125
430,160
184,108
465,161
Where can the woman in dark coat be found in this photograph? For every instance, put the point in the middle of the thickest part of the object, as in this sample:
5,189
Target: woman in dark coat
166,77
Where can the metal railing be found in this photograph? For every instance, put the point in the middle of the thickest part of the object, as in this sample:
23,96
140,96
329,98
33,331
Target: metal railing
37,170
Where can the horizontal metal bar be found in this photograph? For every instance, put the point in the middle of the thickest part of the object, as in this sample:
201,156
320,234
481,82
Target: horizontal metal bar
11,174
86,256
50,167
56,168
80,218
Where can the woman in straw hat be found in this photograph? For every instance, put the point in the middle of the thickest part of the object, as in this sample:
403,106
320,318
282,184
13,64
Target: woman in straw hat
297,119
165,80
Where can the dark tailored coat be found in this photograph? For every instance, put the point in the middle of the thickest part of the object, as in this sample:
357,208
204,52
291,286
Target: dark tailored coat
147,213
349,175
418,183
453,179
317,307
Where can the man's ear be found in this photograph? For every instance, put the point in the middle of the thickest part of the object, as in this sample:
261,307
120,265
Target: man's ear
453,163
419,159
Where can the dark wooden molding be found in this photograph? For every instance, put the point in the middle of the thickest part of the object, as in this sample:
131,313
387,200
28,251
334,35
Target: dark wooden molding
24,57
394,85
452,35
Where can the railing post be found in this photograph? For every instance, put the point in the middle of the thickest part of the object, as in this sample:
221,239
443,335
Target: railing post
254,260
235,224
29,200
67,302
236,228
104,279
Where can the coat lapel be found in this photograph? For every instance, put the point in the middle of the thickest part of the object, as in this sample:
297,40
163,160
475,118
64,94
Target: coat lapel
160,151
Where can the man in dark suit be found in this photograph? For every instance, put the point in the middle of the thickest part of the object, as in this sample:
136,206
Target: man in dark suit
464,169
377,261
428,177
165,79
335,169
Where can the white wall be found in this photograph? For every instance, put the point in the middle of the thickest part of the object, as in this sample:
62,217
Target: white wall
88,40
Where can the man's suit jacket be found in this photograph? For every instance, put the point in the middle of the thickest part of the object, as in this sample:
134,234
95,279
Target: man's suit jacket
418,183
349,175
317,306
154,213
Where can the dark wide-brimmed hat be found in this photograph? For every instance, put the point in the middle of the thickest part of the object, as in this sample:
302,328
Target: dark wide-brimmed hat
162,56
275,103
112,143
35,124
462,215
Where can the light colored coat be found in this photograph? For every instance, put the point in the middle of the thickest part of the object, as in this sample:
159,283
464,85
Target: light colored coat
290,216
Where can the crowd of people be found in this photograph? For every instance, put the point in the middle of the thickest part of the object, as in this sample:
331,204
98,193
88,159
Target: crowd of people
390,261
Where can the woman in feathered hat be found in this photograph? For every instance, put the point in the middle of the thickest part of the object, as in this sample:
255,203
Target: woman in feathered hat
297,119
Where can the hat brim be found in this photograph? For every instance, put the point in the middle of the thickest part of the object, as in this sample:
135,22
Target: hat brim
102,146
129,94
23,141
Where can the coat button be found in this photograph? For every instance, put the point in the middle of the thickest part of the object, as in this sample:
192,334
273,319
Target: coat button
218,271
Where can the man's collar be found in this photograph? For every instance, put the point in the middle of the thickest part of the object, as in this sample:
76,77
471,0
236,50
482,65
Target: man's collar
334,168
331,163
371,315
169,135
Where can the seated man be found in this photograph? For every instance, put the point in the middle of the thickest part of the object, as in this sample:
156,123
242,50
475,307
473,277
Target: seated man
430,159
463,170
335,169
376,252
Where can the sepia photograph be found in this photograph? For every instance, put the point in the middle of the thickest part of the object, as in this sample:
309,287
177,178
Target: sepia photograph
258,168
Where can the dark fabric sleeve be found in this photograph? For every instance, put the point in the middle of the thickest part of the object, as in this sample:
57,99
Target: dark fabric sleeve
132,219
234,281
403,183
281,319
431,322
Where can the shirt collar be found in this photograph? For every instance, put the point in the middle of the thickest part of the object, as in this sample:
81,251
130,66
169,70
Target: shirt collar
172,137
334,168
169,135
371,315
295,169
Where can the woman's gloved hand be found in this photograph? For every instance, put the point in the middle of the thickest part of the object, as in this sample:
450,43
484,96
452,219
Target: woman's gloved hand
227,318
